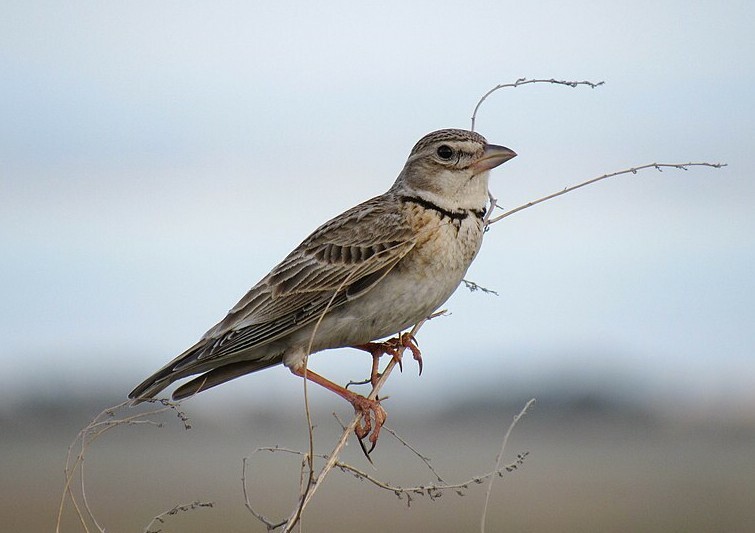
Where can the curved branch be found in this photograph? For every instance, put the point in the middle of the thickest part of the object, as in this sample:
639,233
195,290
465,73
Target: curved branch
525,81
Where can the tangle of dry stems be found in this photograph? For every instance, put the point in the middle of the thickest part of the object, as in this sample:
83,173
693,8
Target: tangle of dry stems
314,482
104,422
432,490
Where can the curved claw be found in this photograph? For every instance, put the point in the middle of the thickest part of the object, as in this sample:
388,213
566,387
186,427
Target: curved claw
408,340
394,347
368,409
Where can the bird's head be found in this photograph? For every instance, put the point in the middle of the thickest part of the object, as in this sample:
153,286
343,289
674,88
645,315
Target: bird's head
450,168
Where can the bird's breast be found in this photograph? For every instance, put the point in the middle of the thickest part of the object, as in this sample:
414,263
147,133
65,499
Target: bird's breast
424,278
417,286
445,244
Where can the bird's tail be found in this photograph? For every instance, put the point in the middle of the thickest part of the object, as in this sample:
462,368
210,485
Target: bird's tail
184,365
187,364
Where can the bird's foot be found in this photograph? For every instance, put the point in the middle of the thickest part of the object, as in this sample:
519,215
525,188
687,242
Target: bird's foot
407,340
393,347
368,409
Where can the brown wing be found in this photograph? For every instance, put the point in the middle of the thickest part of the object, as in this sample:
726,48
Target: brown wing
342,260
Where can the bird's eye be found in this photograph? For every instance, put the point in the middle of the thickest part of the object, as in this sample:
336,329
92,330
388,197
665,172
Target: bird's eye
445,152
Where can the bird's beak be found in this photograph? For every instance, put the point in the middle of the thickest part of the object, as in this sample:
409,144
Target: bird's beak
493,156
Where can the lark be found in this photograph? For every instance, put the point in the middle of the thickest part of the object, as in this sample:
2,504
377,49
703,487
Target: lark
367,274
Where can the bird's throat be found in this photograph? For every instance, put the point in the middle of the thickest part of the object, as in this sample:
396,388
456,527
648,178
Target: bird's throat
453,215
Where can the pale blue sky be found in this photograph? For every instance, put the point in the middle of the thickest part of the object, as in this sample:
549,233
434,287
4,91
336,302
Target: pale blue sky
156,160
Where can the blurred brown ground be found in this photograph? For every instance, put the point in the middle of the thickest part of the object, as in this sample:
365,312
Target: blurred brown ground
593,465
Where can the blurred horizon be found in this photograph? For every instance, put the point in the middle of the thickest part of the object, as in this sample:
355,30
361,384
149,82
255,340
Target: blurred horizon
589,463
277,389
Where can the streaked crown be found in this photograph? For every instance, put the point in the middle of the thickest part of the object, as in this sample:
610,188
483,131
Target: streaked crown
449,148
450,169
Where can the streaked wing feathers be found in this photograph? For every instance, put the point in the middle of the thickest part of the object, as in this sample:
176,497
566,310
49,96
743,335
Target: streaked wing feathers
340,261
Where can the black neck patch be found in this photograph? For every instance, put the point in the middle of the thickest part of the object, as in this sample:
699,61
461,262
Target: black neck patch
453,215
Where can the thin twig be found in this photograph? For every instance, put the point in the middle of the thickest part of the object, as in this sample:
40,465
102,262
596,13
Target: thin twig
633,170
433,490
416,452
525,81
174,511
498,461
330,463
331,459
473,287
334,454
101,424
305,487
270,525
491,208
86,501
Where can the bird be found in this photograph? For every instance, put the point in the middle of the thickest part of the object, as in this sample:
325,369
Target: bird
367,274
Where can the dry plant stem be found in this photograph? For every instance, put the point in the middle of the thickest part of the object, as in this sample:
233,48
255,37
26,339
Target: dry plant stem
270,525
85,500
416,452
177,509
491,208
101,424
525,81
633,170
474,287
333,456
305,487
432,490
498,461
